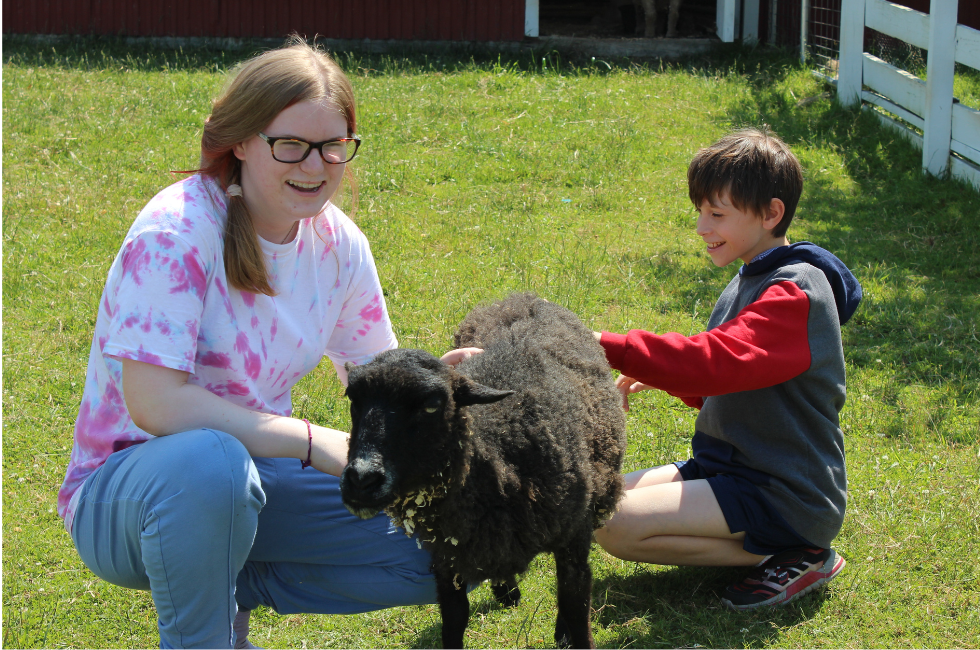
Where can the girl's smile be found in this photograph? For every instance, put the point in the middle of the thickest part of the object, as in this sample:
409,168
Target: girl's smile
280,194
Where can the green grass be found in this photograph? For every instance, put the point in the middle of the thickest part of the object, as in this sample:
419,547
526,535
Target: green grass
486,175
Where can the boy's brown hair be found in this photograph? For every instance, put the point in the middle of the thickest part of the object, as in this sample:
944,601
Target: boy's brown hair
753,167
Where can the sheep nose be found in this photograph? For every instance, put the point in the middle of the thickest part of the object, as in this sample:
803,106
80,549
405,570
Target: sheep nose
366,479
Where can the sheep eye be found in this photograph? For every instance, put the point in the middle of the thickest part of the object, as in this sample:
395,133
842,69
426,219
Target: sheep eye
432,405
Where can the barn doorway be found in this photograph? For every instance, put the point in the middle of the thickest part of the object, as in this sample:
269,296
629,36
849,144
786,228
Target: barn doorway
620,18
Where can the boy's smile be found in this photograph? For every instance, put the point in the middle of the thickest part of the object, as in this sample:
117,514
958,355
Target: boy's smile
730,233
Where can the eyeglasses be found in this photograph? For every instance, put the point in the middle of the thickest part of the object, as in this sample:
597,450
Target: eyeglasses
294,150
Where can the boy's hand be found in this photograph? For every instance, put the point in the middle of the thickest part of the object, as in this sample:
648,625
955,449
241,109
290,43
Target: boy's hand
627,386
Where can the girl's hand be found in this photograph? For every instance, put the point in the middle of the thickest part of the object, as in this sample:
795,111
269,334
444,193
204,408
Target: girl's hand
453,357
627,386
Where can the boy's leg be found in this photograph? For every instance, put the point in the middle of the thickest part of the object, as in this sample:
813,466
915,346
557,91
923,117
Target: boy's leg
311,555
175,515
652,476
673,522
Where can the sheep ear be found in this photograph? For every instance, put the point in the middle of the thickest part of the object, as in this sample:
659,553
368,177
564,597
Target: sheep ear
467,392
349,366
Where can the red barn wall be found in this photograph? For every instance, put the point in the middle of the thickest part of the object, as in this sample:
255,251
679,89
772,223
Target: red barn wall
968,14
440,20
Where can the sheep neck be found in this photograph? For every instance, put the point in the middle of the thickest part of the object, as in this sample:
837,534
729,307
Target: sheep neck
417,511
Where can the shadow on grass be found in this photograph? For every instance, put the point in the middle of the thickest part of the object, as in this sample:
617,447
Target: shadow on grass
482,602
680,607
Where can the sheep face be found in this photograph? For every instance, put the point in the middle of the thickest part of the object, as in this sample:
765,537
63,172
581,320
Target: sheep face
406,427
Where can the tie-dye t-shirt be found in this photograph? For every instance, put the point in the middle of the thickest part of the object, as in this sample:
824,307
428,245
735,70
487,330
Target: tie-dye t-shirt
167,302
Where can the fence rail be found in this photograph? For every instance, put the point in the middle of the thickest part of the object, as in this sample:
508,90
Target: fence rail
950,139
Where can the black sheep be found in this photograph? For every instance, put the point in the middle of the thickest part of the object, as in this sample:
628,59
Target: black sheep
514,452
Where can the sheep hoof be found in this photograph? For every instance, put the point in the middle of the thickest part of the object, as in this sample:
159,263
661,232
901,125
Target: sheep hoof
563,636
507,594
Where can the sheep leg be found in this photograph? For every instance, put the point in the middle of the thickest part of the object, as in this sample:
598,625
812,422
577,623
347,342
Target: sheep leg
573,628
507,593
675,11
455,609
650,18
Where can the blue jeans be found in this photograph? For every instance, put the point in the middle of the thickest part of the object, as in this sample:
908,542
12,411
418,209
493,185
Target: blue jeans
196,521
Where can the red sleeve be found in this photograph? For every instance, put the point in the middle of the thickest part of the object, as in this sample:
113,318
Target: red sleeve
693,402
765,345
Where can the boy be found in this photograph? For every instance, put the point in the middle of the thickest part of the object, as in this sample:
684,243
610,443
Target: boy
766,486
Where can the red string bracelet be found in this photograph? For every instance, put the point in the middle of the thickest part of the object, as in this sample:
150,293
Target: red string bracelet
309,452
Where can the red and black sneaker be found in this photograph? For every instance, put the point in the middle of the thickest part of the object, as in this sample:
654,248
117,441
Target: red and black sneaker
785,577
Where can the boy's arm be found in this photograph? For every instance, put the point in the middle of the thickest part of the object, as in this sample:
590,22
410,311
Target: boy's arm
766,344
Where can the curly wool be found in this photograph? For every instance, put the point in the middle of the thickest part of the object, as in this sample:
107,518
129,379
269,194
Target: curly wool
540,465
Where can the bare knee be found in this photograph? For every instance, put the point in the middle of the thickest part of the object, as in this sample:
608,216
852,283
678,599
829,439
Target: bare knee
613,538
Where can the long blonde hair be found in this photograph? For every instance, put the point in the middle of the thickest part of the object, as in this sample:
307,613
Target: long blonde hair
260,89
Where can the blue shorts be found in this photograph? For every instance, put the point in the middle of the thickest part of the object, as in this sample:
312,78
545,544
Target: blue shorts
747,509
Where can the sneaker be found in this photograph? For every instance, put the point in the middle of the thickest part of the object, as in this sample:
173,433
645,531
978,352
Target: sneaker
784,578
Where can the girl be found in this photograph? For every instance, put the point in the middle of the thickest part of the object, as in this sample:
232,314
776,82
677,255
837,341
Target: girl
188,474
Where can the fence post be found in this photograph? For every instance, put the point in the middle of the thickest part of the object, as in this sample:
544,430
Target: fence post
850,65
804,27
940,67
750,21
725,20
772,21
531,10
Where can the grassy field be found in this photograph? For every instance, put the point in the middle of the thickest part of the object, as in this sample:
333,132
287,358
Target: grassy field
478,177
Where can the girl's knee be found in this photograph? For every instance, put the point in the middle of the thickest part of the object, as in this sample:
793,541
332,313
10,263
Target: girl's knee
210,464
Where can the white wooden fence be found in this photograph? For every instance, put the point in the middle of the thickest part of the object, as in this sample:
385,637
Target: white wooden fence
734,24
947,126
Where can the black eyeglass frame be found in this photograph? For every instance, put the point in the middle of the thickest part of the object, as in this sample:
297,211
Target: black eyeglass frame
313,145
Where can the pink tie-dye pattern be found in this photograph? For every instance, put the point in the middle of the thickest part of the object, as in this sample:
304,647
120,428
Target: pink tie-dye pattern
170,267
107,412
373,312
253,364
237,388
146,357
215,360
136,261
224,295
108,308
147,324
188,275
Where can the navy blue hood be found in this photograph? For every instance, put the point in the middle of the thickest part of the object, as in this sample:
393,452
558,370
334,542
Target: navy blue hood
847,289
